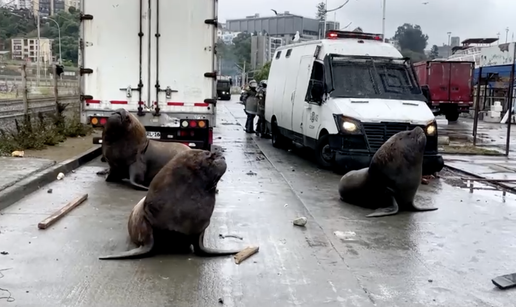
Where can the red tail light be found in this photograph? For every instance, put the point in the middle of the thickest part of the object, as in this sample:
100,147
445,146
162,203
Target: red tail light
210,136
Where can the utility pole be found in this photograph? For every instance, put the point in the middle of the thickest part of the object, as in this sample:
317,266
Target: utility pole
449,43
38,52
506,35
325,16
383,21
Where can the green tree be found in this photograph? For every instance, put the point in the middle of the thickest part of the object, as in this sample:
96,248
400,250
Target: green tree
242,48
414,56
434,52
411,37
263,73
21,23
321,11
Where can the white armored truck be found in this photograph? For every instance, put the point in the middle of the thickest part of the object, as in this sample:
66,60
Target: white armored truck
344,96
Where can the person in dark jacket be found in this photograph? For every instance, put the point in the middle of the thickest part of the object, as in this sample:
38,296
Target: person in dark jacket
251,106
261,127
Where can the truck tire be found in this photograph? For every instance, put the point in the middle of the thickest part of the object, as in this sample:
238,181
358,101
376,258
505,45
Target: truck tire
278,140
452,115
324,157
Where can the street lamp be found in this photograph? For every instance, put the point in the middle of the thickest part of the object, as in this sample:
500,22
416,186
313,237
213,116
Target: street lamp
59,36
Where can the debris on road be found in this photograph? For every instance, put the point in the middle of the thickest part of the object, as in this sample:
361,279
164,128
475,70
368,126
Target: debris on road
505,281
104,172
246,253
230,236
18,153
4,253
49,191
59,214
300,221
60,176
251,173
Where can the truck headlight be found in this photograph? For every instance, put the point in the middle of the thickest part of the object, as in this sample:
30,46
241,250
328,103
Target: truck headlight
348,125
431,129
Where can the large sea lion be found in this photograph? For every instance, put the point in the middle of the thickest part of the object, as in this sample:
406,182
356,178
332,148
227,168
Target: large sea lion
392,179
130,154
178,206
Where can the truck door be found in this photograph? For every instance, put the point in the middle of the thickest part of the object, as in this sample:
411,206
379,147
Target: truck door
182,45
113,53
300,105
439,80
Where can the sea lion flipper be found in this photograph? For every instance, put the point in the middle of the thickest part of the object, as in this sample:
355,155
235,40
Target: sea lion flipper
136,171
135,185
386,211
201,250
413,207
133,253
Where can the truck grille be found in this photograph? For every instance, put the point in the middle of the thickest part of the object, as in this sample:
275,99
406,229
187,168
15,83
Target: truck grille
377,134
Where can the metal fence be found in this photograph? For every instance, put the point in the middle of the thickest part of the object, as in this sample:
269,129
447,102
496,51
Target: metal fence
21,81
23,92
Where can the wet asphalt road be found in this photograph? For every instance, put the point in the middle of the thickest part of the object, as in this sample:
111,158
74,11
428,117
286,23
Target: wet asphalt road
441,258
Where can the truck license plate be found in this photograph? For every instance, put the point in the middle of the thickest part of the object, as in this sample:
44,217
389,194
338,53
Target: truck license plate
154,134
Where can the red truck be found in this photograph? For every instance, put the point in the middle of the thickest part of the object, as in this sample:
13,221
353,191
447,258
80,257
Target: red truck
450,85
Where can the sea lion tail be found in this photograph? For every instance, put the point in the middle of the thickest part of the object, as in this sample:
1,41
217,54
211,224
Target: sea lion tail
130,254
203,251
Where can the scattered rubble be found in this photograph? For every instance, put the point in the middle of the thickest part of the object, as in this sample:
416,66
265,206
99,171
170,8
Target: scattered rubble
300,221
246,253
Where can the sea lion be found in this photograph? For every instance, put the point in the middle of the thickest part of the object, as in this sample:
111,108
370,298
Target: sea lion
393,177
178,206
131,156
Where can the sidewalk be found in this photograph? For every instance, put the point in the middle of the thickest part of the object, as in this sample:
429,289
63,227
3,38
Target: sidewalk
14,169
489,167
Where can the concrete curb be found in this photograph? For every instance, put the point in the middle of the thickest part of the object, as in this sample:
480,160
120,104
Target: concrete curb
500,184
28,185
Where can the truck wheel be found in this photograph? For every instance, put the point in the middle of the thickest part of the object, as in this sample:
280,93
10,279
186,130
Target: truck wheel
452,116
278,140
324,156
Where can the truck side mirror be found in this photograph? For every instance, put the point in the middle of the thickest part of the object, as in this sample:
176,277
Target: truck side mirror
426,92
317,92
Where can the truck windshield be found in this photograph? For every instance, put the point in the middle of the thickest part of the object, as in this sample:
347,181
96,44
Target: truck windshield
223,85
373,78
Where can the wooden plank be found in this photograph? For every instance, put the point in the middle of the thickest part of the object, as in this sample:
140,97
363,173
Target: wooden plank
59,214
246,253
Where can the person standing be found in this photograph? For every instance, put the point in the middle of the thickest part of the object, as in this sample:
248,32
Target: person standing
251,106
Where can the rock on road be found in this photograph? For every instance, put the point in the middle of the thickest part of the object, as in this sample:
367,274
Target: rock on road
341,258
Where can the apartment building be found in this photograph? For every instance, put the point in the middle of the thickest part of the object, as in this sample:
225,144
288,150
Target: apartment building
27,49
47,7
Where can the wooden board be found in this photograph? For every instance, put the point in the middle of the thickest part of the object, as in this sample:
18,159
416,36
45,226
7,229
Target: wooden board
246,253
59,214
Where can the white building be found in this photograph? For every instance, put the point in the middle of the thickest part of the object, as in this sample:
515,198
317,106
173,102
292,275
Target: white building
227,36
27,49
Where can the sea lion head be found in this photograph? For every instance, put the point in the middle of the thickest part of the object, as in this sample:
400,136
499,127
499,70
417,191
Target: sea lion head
206,167
414,140
122,123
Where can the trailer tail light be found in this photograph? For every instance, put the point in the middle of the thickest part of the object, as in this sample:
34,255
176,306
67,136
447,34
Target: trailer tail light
210,136
194,123
98,121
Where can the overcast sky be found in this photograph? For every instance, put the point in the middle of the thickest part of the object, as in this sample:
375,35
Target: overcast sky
464,18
